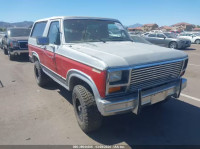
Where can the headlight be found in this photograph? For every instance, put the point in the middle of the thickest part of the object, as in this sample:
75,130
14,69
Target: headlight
115,76
117,81
14,44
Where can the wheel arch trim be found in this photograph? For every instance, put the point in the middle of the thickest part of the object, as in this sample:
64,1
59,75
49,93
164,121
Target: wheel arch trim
86,78
36,55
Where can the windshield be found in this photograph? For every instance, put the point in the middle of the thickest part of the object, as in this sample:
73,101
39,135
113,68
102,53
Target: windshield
170,35
140,39
18,32
82,30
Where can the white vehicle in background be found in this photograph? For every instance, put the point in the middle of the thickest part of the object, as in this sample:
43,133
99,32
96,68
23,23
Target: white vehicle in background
193,37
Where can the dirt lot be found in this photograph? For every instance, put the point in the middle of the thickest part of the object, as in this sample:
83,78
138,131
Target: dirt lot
33,115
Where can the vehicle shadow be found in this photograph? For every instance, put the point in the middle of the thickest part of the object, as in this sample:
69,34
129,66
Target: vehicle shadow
61,90
22,59
188,49
171,123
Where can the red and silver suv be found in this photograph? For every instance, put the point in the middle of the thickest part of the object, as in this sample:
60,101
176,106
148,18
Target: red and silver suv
106,71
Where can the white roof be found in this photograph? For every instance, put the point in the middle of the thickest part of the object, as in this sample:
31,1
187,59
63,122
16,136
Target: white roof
74,17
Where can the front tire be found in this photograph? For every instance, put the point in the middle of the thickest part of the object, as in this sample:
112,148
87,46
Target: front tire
10,56
197,41
5,51
173,45
85,108
41,78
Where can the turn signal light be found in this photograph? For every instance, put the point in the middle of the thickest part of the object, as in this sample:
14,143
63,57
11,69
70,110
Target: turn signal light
114,89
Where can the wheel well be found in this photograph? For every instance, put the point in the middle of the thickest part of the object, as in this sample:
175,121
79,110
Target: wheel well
34,58
197,39
77,81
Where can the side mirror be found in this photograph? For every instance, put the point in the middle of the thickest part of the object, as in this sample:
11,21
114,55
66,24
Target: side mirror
42,40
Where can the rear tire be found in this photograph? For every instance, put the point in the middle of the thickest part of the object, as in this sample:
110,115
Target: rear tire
85,108
41,78
197,41
173,45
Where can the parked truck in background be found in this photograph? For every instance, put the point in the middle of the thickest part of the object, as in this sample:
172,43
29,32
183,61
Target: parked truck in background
15,42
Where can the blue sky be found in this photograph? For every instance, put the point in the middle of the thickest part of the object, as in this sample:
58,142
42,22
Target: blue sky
162,12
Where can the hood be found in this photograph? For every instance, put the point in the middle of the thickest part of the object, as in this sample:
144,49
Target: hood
183,39
123,54
19,38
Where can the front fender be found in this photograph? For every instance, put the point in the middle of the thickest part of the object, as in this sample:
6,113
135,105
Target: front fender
81,75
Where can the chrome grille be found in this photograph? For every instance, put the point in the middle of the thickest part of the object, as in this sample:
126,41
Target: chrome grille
146,77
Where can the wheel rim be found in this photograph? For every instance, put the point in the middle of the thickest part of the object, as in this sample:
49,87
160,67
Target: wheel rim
198,41
78,108
172,45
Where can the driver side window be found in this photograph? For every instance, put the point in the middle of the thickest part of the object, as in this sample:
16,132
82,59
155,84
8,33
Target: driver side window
54,33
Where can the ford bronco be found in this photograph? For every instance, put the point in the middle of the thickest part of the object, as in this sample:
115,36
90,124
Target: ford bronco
106,71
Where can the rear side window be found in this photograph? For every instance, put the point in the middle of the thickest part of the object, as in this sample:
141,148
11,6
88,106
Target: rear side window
38,29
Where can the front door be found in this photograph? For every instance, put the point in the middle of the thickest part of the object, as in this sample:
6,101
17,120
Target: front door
54,45
152,38
161,40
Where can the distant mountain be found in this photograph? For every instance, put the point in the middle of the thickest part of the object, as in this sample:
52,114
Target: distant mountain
17,24
135,25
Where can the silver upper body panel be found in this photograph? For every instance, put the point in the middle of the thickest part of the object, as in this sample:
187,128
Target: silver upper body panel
126,54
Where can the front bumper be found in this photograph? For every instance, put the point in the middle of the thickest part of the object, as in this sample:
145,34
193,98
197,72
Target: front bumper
134,102
184,45
18,52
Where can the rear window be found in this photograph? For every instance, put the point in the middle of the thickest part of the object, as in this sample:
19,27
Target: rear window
38,29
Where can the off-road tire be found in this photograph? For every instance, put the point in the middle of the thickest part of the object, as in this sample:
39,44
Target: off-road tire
85,108
173,45
41,78
197,41
10,56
